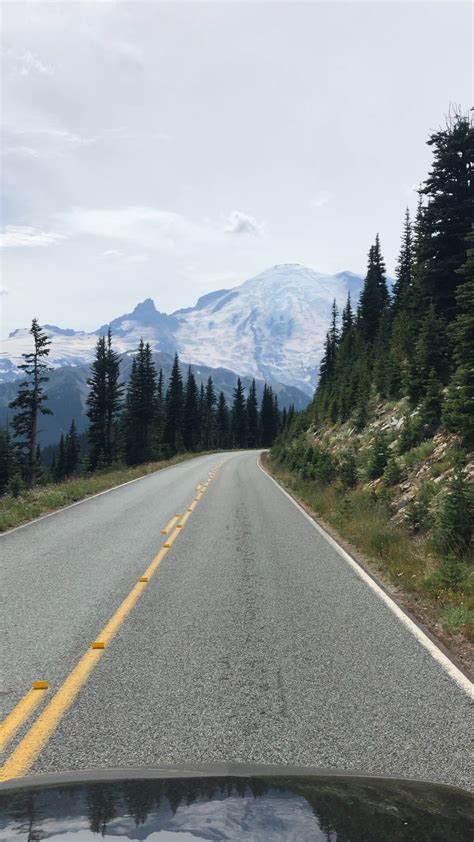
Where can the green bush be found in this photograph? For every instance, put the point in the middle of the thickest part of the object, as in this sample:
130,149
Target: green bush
347,469
454,529
393,473
378,456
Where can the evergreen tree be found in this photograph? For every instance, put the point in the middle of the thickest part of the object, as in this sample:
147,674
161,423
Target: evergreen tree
208,430
455,526
30,400
222,423
267,418
459,408
9,465
252,416
378,456
73,450
141,408
104,403
239,417
191,422
173,432
405,268
61,465
430,410
347,320
447,215
160,413
431,354
374,296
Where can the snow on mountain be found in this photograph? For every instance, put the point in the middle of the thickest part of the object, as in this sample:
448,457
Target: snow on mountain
270,327
273,326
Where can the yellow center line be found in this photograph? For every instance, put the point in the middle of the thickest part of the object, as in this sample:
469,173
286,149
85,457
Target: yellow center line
29,748
20,714
170,525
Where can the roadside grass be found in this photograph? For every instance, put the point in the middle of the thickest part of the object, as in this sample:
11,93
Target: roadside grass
43,499
407,561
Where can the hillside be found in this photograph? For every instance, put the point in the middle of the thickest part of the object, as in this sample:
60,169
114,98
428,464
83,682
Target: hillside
385,451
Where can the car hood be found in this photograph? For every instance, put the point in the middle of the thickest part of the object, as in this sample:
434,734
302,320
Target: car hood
232,802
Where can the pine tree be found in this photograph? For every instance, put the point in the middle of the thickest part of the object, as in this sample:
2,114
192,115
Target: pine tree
267,422
405,268
430,354
429,416
173,432
61,467
455,525
30,400
208,430
239,417
222,423
374,296
160,414
459,408
347,319
73,450
191,423
141,408
104,404
9,465
378,456
252,416
447,215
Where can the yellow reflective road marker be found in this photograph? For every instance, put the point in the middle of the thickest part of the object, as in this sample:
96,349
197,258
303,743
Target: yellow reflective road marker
21,713
169,541
170,525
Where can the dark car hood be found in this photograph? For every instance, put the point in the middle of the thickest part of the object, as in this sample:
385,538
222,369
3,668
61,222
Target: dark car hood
273,804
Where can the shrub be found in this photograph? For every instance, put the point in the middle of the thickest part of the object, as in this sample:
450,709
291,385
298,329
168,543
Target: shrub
347,469
393,471
378,456
455,522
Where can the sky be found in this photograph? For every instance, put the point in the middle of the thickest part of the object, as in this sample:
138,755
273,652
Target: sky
165,150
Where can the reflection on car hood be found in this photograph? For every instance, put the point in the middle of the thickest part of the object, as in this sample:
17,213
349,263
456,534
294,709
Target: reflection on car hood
232,803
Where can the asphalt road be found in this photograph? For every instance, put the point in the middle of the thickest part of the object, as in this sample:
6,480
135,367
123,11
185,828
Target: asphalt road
253,641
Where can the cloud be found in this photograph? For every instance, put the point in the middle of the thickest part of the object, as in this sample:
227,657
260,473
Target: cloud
25,63
320,199
145,226
242,223
19,236
42,141
116,255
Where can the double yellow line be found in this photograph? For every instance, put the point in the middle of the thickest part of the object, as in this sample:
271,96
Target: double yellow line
24,755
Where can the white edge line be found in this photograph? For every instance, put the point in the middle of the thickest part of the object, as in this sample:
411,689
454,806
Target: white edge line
98,494
461,680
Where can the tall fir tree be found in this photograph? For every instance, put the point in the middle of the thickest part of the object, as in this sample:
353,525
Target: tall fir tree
173,432
73,450
252,416
141,408
459,407
9,464
104,403
30,401
447,215
267,421
374,297
239,417
191,421
222,423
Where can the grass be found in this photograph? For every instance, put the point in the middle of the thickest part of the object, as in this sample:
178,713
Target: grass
31,504
417,455
363,519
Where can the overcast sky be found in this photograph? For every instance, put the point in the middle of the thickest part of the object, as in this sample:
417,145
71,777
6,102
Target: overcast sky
169,149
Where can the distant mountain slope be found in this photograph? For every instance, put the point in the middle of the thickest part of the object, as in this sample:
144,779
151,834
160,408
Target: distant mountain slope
67,392
271,327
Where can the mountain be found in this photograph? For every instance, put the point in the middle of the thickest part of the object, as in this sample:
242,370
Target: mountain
67,392
271,327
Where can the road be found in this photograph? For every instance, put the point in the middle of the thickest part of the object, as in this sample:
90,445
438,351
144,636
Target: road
253,640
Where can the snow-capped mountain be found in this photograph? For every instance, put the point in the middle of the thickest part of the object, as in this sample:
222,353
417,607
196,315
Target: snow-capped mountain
270,327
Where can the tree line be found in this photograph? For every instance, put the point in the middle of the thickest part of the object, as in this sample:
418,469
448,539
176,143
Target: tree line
416,341
141,421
